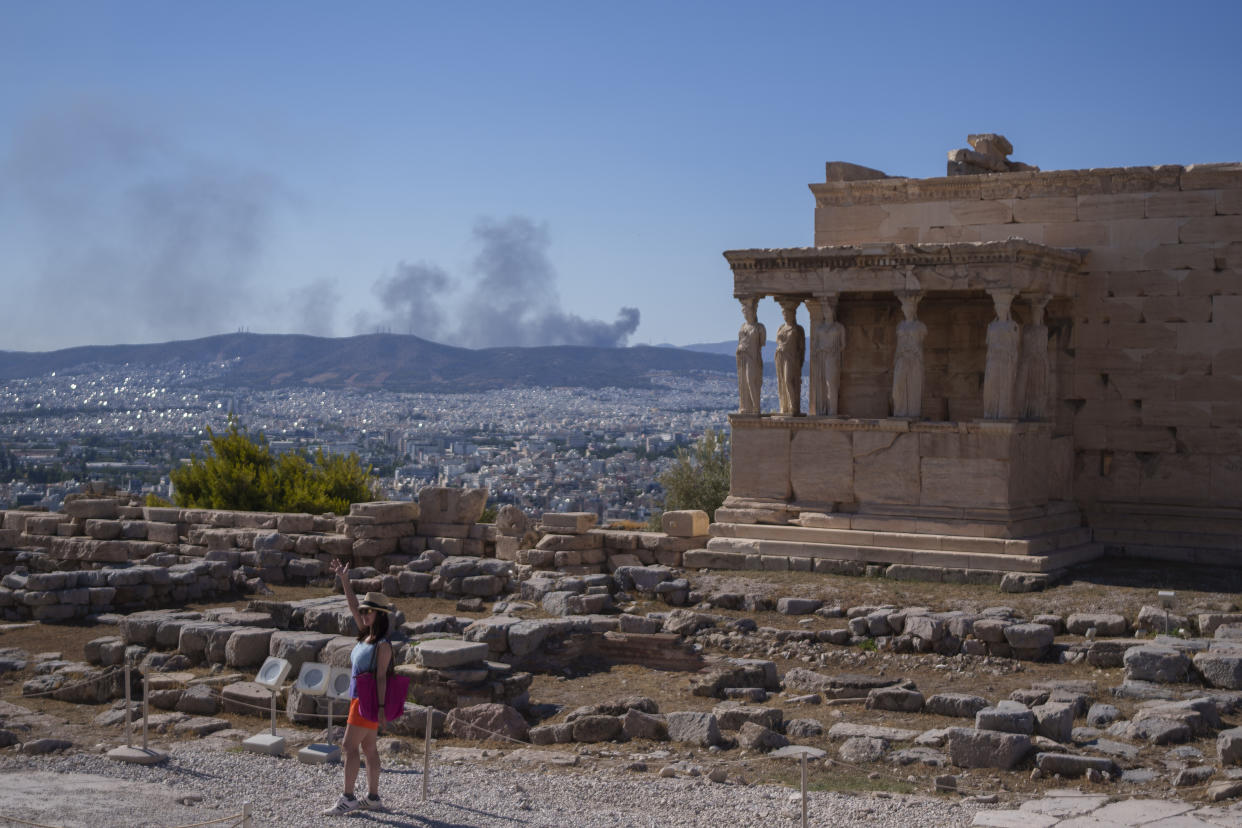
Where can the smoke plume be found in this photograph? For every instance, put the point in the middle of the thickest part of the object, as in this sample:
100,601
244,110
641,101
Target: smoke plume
512,299
136,238
412,298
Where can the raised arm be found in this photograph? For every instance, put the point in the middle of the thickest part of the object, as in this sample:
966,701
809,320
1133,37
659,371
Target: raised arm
341,570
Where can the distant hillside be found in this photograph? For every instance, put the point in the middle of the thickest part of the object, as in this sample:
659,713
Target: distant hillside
390,361
730,347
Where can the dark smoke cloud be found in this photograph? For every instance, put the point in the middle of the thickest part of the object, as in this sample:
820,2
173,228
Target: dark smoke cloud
412,299
312,309
138,238
513,300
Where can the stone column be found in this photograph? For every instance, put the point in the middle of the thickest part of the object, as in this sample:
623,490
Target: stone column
1001,370
908,361
1033,363
827,347
790,351
750,341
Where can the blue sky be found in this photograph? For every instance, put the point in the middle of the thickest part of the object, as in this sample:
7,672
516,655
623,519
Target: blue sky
488,172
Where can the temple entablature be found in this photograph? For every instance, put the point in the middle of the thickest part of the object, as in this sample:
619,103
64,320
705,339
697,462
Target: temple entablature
1016,264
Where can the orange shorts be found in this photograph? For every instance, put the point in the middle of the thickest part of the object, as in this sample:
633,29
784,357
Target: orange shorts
356,719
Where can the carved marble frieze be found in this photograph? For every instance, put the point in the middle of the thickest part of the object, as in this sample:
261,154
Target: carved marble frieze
1015,264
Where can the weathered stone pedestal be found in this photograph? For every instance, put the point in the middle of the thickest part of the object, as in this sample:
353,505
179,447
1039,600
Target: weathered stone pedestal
319,754
267,743
986,495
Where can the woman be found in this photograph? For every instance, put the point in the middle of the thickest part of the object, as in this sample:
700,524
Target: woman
373,652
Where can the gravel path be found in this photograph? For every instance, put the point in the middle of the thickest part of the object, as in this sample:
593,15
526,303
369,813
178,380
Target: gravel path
201,781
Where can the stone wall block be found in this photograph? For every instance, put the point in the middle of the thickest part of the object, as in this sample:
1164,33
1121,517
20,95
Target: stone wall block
1181,204
1212,176
1112,207
1043,210
687,523
1229,202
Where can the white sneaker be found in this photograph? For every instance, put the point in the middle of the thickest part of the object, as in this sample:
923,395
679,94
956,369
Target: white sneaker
371,803
344,805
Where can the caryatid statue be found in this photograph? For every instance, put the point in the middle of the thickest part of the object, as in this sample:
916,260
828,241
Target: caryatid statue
1033,364
908,362
750,341
790,351
827,346
1001,370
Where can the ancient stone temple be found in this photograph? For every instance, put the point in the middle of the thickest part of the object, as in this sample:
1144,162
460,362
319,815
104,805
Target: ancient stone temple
1008,369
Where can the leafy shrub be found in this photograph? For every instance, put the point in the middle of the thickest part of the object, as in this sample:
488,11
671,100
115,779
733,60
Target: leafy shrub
699,479
240,472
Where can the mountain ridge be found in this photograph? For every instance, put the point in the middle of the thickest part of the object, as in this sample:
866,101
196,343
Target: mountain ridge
397,362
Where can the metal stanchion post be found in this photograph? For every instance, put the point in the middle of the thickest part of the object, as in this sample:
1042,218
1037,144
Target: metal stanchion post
246,821
129,711
273,711
146,697
803,790
426,748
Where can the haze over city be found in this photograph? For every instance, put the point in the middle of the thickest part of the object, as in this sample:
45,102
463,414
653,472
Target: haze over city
527,174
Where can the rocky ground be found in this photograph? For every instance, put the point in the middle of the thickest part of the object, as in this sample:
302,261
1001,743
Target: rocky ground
881,758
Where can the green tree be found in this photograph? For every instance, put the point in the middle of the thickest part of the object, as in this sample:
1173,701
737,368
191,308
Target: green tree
241,472
699,478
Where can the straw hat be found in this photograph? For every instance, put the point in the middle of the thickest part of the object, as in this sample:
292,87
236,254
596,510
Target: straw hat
375,601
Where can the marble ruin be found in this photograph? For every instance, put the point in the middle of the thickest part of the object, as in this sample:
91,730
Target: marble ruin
1004,364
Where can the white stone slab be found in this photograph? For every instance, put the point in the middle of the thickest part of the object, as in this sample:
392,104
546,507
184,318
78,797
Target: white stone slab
1141,811
319,754
1064,805
846,730
265,743
1013,819
447,653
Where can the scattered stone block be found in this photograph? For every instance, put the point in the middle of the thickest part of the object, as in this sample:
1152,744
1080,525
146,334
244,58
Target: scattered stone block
1229,746
636,724
685,523
1150,662
486,721
1101,715
1220,669
860,749
986,748
448,653
754,736
897,699
798,606
693,727
1072,765
732,715
596,728
1030,642
1054,720
961,705
1006,717
1105,624
846,730
574,523
247,647
803,728
246,698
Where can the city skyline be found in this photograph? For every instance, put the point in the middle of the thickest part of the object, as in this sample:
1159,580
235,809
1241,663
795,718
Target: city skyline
546,174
